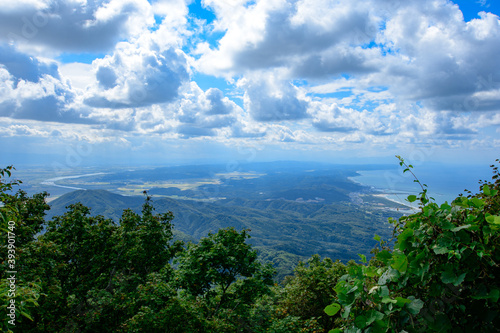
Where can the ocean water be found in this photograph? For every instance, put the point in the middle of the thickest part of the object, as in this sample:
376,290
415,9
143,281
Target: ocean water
444,182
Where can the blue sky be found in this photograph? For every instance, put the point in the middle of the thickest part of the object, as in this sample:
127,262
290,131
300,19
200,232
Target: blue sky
178,81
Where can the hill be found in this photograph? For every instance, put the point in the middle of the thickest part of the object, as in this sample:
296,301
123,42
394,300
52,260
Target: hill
284,231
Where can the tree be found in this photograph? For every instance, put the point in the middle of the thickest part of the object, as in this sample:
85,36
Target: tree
223,274
21,217
90,265
310,290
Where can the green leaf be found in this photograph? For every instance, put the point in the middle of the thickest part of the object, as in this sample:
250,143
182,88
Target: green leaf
360,321
478,203
400,301
495,295
412,198
384,256
493,219
25,314
388,276
399,262
370,271
372,316
363,258
384,291
449,276
486,190
415,306
332,309
336,330
440,249
403,239
387,299
377,238
441,323
460,228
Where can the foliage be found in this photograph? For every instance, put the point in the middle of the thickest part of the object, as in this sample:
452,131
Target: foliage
309,290
222,273
20,220
441,276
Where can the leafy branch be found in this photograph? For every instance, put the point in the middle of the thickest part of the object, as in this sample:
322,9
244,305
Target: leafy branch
423,197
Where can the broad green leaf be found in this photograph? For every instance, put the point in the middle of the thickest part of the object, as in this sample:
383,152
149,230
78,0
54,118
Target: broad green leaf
388,276
403,239
336,330
372,316
377,238
400,301
493,295
486,190
441,323
411,198
445,206
360,321
449,276
399,262
384,256
387,299
440,249
415,306
476,202
493,219
370,271
347,311
384,291
332,309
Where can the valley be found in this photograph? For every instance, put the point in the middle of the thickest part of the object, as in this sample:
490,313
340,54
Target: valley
294,210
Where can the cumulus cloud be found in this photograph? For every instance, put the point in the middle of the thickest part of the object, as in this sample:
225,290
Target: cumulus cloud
332,118
307,71
269,99
422,51
283,33
136,76
79,26
32,89
442,60
200,113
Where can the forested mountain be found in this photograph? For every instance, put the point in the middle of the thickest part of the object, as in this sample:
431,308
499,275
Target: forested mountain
279,228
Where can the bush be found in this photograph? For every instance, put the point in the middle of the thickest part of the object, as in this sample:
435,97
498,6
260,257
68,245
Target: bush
441,275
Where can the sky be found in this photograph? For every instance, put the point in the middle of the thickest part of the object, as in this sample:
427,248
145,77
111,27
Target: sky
137,82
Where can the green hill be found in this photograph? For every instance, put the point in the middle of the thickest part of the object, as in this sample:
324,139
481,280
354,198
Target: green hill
279,228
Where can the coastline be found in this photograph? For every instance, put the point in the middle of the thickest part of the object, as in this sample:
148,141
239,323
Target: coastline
387,194
410,209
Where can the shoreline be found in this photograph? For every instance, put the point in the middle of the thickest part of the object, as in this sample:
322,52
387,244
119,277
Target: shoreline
385,196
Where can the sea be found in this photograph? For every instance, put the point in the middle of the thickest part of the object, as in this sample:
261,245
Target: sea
444,182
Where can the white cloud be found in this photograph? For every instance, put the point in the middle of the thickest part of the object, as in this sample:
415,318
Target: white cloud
309,72
136,76
79,75
200,113
267,98
80,26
